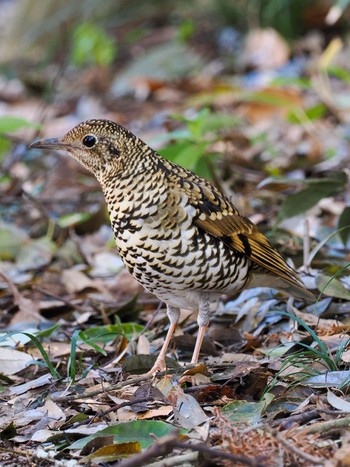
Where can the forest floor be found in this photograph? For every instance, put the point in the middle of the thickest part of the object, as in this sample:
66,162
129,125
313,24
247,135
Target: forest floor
77,333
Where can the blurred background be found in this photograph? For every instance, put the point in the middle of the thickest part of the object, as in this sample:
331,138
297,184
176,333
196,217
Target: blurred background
252,94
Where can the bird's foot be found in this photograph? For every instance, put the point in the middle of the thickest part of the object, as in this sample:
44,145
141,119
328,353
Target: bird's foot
158,366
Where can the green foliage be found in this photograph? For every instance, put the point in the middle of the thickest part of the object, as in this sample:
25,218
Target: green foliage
344,225
332,287
304,199
340,73
92,46
316,189
320,352
303,362
190,146
185,30
241,411
10,124
107,333
143,431
73,219
286,16
313,113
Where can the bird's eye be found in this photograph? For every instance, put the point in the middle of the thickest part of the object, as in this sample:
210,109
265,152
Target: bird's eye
89,141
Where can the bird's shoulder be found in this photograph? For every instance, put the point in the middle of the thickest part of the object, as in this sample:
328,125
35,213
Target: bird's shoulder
215,213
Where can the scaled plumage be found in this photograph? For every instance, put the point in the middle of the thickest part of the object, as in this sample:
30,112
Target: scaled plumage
177,234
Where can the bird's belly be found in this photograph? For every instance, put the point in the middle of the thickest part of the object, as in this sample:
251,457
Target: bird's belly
179,268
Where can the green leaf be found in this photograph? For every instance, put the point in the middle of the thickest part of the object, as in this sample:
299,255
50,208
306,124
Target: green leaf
47,332
300,83
340,73
11,241
71,365
185,30
91,45
218,121
90,341
5,146
143,431
246,412
202,167
312,113
305,199
8,432
191,155
9,124
338,178
187,153
109,332
69,220
332,287
344,225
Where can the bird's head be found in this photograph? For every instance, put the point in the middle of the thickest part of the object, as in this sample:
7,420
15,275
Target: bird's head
101,146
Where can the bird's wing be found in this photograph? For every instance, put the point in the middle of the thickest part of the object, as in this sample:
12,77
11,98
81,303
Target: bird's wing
217,216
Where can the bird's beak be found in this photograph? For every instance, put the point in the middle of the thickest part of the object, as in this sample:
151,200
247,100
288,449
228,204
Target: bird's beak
52,143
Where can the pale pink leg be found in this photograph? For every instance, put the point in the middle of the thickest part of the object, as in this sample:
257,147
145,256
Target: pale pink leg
200,336
173,314
206,307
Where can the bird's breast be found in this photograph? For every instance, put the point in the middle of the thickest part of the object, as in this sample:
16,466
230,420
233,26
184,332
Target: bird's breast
166,252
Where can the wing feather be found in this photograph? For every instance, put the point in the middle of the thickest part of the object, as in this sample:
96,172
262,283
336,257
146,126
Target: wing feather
217,216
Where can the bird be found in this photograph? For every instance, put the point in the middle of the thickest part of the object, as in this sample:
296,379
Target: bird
177,234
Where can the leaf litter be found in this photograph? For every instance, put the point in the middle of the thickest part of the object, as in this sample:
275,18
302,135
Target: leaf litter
272,388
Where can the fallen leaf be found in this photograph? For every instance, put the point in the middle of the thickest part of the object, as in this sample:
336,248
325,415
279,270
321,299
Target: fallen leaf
12,361
54,413
163,411
187,411
329,379
36,383
143,431
114,452
332,287
337,402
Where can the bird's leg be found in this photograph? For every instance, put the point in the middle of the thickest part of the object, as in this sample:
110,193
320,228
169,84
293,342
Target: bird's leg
159,365
203,323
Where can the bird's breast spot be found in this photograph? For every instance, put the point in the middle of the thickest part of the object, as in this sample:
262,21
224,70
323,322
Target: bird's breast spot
125,206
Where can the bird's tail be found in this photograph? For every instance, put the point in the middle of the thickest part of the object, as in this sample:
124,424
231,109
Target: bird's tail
289,287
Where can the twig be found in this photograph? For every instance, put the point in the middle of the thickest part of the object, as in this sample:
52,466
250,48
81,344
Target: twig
299,418
127,382
295,450
57,297
181,459
114,408
113,387
167,444
329,425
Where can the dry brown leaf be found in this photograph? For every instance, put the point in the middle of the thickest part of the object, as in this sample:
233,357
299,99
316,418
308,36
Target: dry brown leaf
28,309
163,411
